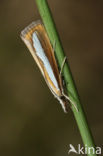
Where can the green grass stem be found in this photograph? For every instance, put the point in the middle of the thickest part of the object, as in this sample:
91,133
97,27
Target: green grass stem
80,117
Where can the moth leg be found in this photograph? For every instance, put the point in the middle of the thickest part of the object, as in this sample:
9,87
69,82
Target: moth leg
62,66
70,100
54,46
64,60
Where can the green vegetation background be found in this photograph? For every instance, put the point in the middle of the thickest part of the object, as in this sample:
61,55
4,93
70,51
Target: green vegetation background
31,120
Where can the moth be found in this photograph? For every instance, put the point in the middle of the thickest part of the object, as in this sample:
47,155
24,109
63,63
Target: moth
38,43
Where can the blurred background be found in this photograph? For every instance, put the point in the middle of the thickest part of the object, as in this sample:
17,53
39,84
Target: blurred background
32,121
